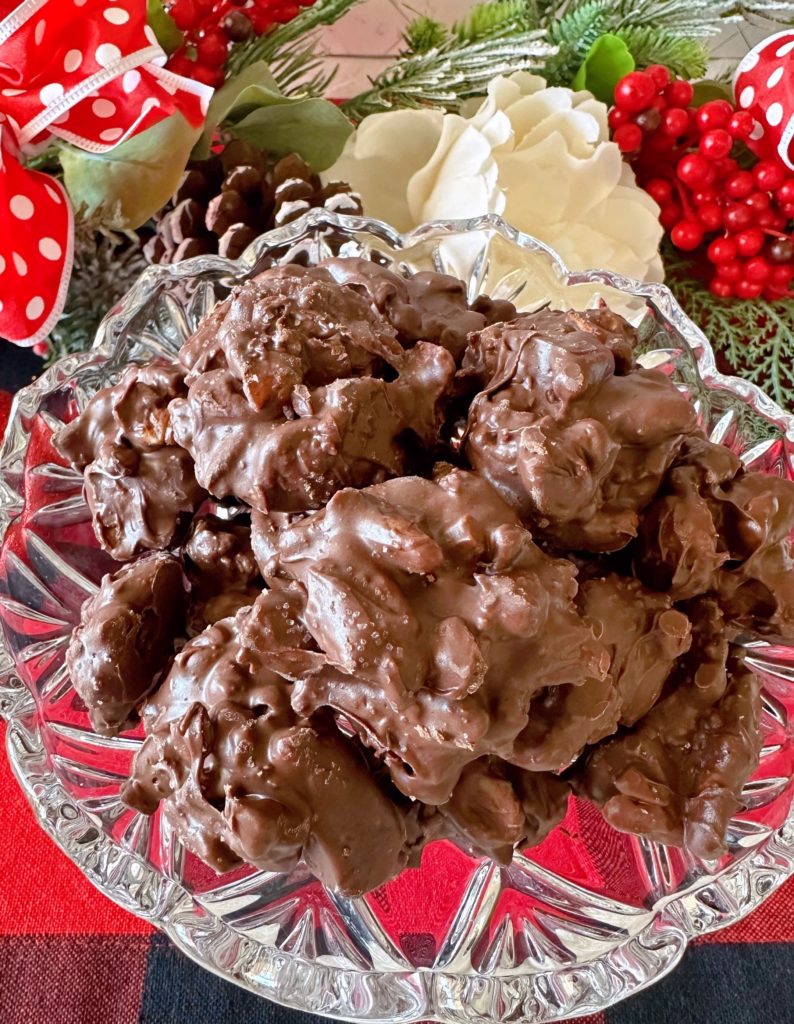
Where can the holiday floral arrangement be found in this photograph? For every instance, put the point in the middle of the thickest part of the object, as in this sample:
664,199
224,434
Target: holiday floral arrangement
151,132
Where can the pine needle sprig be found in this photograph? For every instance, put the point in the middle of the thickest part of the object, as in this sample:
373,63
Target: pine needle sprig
663,31
773,10
684,56
755,337
445,76
424,34
494,19
301,29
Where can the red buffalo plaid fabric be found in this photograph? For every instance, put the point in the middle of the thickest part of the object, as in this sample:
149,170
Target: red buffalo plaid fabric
70,956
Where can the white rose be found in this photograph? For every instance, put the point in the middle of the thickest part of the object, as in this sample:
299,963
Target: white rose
540,157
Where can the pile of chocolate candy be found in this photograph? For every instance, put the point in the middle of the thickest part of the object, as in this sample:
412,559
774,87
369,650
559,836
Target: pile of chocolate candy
428,565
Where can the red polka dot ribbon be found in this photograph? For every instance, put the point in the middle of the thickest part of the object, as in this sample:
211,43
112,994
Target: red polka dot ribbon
88,72
764,85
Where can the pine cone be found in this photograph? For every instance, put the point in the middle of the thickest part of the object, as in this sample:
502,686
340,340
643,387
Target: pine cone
224,202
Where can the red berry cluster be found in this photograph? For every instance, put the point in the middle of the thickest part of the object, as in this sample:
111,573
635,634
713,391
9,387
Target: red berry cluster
686,159
210,27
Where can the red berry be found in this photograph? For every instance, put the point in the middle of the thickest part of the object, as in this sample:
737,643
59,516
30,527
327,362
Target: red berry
695,171
782,274
184,14
687,235
180,65
660,190
209,76
706,195
726,167
781,250
765,218
750,242
787,209
710,216
785,194
716,144
617,118
757,201
769,175
659,74
721,288
670,215
738,217
41,348
739,185
261,20
635,91
732,271
741,125
714,114
679,93
722,250
628,138
286,13
757,269
212,50
748,289
657,103
674,122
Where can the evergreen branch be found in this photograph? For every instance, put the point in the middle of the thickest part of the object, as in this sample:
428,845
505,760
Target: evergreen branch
271,46
685,57
774,10
445,76
424,34
302,69
754,336
493,19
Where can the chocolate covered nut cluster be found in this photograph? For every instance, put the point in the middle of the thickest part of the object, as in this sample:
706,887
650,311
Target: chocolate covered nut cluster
140,486
398,558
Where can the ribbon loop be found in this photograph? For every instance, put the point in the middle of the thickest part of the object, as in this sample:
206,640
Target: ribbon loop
87,72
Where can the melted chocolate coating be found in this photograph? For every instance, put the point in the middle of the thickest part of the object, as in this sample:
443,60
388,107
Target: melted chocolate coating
718,529
677,776
573,437
419,663
287,403
222,570
126,639
424,307
438,619
240,775
495,809
139,486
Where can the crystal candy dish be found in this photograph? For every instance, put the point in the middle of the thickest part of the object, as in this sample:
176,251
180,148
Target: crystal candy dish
572,926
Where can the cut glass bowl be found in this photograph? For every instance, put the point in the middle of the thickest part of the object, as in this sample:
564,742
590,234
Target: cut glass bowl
572,926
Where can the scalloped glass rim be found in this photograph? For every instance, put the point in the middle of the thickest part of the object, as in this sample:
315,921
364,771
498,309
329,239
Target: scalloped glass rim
390,988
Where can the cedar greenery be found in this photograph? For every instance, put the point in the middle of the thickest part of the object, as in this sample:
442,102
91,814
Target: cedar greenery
755,337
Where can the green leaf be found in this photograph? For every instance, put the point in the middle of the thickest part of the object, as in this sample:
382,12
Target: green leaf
133,180
252,107
253,87
163,26
709,90
606,62
314,128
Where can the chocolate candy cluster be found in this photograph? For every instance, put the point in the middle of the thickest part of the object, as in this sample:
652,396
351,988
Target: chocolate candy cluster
429,566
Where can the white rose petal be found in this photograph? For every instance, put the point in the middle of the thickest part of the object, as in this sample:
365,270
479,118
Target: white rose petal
539,156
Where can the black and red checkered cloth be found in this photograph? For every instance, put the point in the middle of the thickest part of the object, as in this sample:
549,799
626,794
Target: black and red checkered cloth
70,956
